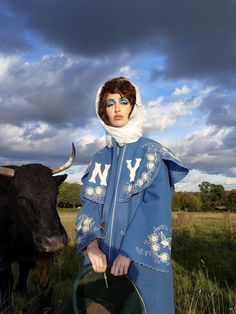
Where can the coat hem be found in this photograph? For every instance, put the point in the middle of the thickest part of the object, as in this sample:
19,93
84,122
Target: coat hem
151,267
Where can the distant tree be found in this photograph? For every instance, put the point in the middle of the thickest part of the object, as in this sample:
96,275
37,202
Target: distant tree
69,195
212,195
187,201
205,193
231,200
218,194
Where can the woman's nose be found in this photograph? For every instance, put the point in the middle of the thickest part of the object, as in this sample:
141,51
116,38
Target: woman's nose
117,107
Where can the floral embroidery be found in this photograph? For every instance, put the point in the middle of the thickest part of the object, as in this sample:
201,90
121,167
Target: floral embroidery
139,182
165,152
144,176
151,162
150,157
89,191
97,193
130,187
159,245
150,165
84,226
99,190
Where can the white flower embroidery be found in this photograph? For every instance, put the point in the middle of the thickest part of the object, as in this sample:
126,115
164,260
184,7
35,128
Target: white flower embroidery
84,225
159,245
144,176
89,191
95,193
85,228
150,165
165,241
98,190
153,237
139,182
151,157
87,221
155,247
130,188
164,257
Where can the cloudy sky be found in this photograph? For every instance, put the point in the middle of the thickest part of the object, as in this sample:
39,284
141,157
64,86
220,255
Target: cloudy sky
181,54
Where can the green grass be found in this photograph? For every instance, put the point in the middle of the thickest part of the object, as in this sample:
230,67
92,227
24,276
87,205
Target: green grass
204,267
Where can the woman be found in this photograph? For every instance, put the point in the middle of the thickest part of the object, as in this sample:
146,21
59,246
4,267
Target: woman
125,220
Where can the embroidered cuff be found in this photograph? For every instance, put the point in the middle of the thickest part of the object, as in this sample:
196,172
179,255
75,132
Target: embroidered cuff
87,229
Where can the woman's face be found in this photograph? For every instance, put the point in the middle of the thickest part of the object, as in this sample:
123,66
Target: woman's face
118,109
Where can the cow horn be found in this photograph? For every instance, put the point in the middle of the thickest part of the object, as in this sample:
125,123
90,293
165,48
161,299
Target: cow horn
8,172
68,163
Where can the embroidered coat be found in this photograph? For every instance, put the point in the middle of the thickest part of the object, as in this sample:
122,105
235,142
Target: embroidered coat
126,203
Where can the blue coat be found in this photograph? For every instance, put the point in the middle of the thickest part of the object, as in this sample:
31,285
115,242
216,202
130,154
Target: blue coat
126,203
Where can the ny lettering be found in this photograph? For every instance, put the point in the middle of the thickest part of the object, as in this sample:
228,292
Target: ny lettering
103,175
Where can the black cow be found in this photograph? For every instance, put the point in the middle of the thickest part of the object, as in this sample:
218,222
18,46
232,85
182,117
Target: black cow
29,222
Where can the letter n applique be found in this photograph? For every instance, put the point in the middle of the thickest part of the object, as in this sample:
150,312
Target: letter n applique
102,175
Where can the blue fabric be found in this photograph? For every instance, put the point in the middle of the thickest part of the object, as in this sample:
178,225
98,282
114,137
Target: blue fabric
128,191
155,287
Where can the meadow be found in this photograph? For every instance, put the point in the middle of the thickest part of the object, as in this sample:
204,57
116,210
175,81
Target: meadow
204,267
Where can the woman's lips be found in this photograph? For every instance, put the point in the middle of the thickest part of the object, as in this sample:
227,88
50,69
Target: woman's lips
118,117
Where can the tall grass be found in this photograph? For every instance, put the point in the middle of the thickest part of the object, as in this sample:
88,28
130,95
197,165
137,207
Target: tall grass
204,268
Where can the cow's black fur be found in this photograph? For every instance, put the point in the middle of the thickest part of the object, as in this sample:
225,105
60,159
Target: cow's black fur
29,223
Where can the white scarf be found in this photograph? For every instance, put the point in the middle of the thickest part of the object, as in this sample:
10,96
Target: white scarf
130,132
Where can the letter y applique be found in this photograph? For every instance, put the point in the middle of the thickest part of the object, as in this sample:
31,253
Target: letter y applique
132,170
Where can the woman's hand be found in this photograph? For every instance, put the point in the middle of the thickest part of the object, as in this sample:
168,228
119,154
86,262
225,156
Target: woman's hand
97,258
120,266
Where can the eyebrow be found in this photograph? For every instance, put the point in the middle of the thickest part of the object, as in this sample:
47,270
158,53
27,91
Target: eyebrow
119,98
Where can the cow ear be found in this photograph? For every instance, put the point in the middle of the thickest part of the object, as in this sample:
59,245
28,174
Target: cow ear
59,179
5,183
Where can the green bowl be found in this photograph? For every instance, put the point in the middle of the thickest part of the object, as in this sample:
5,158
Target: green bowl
118,294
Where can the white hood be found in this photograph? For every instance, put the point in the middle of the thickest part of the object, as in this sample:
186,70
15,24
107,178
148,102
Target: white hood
130,132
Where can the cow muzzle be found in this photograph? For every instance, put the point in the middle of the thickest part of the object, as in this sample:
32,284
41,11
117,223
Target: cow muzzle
52,243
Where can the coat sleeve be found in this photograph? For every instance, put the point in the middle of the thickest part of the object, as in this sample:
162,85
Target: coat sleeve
148,237
88,222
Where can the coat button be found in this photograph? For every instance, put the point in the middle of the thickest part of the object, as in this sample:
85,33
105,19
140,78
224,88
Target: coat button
103,225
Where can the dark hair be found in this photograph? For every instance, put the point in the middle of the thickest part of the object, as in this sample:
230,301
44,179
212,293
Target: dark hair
118,85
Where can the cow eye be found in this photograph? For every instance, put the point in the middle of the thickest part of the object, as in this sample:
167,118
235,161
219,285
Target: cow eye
24,199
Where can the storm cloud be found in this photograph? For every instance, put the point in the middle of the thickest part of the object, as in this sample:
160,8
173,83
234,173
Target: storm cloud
197,39
55,54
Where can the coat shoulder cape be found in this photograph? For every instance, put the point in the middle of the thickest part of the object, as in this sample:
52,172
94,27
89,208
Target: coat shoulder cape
147,153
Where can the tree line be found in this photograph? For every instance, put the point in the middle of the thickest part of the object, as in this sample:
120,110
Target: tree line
211,197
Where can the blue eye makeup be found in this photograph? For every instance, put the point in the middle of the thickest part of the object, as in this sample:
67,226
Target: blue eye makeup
122,101
110,102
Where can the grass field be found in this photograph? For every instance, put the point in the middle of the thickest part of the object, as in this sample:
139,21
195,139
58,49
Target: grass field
204,267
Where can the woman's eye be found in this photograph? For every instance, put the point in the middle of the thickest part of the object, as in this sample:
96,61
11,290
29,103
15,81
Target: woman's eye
110,102
124,101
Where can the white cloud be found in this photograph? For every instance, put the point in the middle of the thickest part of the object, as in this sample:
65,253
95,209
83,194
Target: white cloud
204,152
182,91
161,114
196,177
5,63
128,72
